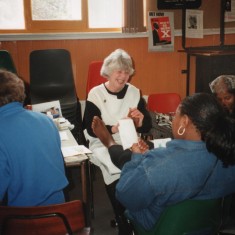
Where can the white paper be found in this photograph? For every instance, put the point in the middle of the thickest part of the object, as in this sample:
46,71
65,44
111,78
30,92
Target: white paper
74,150
160,142
127,132
63,135
194,24
47,107
229,11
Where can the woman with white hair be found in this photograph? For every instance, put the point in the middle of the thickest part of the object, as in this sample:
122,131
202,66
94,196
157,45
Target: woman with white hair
112,101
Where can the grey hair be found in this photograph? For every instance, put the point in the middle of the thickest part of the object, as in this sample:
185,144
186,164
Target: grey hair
11,88
117,60
222,82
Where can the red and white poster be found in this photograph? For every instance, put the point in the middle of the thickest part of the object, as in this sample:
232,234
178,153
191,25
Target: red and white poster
161,31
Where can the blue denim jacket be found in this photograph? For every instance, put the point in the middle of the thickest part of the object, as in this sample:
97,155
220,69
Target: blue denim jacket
165,176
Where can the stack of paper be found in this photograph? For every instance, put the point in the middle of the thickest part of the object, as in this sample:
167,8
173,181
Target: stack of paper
74,150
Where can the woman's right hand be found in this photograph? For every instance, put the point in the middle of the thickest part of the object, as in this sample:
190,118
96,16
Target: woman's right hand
136,116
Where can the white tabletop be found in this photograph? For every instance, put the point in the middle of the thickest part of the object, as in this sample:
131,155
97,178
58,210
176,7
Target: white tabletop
73,153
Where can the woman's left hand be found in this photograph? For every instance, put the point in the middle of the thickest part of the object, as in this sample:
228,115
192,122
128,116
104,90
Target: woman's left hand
137,116
140,147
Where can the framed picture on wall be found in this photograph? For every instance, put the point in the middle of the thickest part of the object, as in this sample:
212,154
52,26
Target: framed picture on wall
161,31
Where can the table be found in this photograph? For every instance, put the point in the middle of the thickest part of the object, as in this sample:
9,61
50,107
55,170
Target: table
81,161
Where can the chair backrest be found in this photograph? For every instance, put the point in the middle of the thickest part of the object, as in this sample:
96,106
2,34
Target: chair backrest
94,78
59,219
51,78
163,102
6,61
191,217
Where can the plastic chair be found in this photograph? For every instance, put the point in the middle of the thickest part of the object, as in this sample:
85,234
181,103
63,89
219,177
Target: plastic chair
228,222
51,78
191,217
6,61
59,219
163,102
94,78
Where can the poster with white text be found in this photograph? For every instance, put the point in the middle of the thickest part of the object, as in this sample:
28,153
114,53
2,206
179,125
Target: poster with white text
161,31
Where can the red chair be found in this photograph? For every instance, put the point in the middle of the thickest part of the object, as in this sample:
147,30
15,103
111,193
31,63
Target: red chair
94,78
163,102
59,219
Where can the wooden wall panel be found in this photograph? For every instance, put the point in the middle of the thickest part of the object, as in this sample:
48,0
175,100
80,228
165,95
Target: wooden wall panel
155,71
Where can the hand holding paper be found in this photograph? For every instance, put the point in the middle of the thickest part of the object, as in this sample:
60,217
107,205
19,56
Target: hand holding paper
136,116
127,132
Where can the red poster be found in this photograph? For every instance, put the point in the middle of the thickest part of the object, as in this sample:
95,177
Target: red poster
161,30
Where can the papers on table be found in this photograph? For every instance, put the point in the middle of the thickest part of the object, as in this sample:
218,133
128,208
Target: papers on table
52,107
127,132
160,142
63,124
63,135
74,150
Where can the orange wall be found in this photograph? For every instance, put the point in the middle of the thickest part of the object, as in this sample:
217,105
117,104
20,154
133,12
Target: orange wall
155,71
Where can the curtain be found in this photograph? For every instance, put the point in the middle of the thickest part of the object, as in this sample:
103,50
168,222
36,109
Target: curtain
133,19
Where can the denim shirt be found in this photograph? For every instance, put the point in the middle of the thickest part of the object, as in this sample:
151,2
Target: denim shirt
165,176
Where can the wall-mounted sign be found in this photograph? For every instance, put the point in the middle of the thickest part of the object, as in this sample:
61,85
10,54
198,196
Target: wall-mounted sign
161,31
178,4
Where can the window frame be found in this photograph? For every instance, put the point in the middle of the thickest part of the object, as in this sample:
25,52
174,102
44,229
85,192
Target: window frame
78,26
54,26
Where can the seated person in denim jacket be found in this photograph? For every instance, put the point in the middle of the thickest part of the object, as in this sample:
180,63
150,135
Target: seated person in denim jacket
199,163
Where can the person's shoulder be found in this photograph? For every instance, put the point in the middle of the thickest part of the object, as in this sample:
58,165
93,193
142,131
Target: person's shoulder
132,87
41,116
97,88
